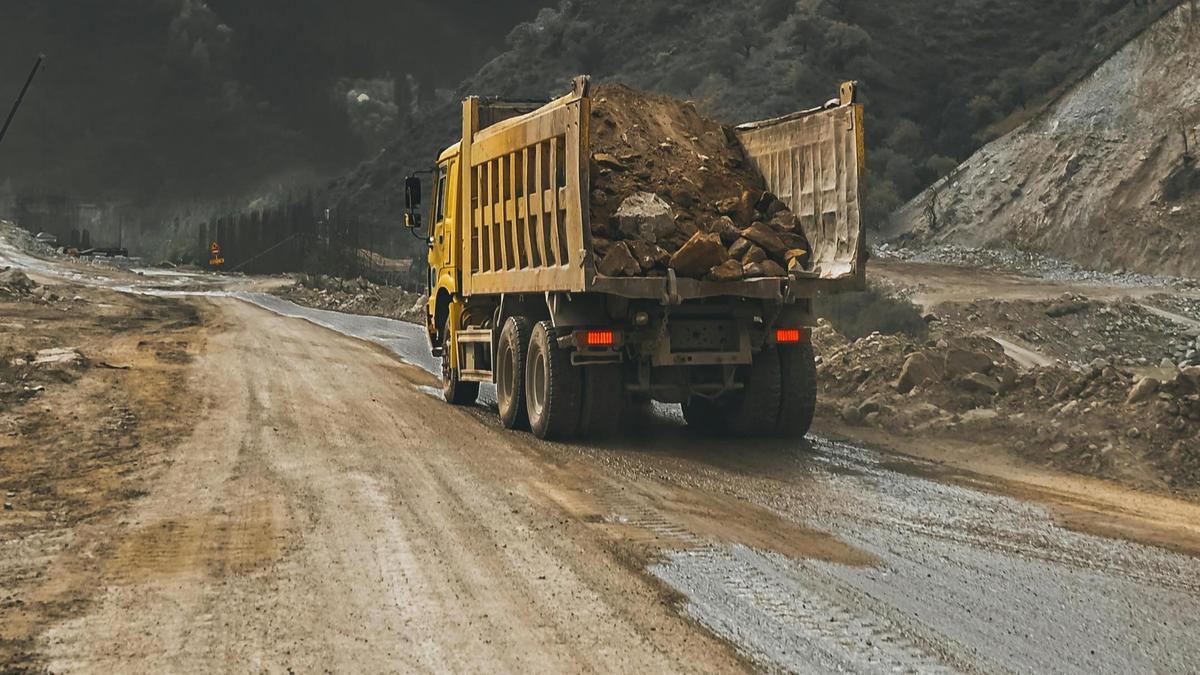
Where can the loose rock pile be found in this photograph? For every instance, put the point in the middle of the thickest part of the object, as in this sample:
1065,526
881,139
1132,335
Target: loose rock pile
15,284
672,190
356,296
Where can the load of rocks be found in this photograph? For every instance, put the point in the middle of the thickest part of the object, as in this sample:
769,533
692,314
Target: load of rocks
674,191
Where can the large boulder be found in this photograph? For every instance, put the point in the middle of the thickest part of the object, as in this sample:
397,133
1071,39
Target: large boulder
730,270
980,383
619,262
648,255
645,216
767,238
918,369
771,268
755,254
724,228
699,255
1143,391
964,362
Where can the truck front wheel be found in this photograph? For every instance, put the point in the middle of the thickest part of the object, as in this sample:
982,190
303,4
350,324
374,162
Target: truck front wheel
552,387
510,372
798,398
454,390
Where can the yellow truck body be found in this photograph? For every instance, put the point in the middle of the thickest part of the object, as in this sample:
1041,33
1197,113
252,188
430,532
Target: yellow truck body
510,237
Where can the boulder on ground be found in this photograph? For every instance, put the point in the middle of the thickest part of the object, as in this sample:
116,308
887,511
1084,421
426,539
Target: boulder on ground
1141,392
980,383
59,356
918,369
1189,376
963,362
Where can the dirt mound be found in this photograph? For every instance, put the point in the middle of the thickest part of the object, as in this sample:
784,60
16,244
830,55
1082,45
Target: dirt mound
1105,177
14,282
1103,418
672,189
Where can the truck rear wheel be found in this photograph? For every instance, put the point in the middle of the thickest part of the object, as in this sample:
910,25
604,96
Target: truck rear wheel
754,411
511,355
798,396
604,402
552,387
454,390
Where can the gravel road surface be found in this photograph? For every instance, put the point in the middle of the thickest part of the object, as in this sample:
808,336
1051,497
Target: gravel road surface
329,513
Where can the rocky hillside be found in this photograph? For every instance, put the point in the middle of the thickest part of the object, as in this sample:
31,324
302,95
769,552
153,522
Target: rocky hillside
937,77
1107,176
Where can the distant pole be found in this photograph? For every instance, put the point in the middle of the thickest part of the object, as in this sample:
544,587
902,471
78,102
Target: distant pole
28,81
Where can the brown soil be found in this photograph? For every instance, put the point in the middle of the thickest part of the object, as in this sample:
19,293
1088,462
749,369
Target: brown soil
1066,408
648,144
658,144
79,443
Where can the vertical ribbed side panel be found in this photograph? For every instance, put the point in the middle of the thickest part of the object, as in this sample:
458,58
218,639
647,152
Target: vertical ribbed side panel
812,163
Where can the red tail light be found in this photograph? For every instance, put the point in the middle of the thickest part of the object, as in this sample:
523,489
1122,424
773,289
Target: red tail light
599,338
786,336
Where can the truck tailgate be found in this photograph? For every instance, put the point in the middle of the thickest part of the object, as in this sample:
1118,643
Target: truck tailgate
814,161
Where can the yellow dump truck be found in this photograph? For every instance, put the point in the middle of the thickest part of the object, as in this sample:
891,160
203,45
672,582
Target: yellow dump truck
516,299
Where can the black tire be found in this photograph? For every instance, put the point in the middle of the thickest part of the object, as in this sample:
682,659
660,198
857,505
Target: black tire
552,387
604,402
511,355
754,411
455,391
798,396
704,416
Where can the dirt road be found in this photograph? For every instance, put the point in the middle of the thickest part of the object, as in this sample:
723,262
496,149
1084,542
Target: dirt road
328,513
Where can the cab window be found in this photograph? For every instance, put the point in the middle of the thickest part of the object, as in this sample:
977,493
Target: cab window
439,203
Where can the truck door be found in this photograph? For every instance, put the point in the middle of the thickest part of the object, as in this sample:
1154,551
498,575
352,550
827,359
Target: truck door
441,241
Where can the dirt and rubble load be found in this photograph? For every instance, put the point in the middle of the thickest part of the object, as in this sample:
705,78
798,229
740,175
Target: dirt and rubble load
673,190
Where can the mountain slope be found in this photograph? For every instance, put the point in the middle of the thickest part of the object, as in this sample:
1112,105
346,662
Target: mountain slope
935,76
1103,177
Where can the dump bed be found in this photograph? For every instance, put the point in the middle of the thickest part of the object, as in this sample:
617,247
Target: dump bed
526,213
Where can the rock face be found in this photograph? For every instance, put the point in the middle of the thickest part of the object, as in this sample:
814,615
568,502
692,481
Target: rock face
1042,186
699,256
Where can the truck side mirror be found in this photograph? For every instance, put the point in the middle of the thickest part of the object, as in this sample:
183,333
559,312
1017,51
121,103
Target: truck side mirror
412,193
